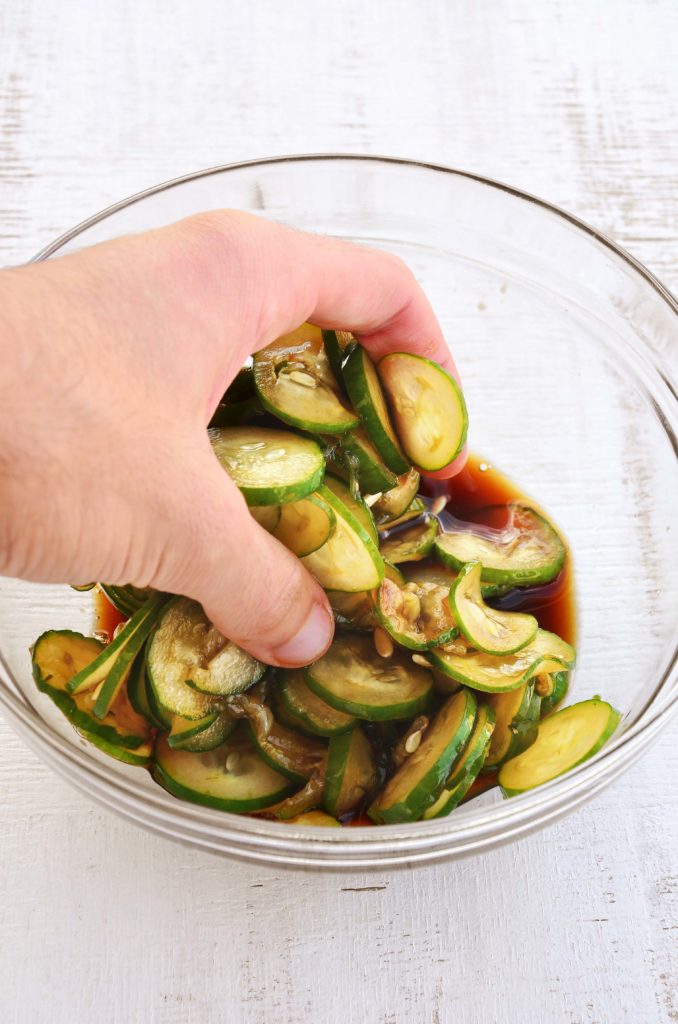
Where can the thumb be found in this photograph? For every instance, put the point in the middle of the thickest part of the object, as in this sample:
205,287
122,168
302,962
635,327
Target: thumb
252,588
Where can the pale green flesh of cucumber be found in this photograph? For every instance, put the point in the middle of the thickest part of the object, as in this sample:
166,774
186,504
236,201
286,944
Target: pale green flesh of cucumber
365,392
316,714
488,630
248,783
415,510
350,774
352,677
102,666
305,525
417,784
417,616
270,467
516,723
294,381
190,663
565,739
350,560
494,674
394,503
527,552
428,408
373,474
354,503
186,736
411,544
57,656
467,769
434,572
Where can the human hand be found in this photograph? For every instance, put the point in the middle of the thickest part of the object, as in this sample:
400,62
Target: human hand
112,361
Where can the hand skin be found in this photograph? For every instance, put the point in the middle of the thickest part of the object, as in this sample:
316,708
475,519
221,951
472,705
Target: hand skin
112,361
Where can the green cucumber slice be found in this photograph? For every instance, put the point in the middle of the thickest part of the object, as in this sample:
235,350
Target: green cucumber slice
365,392
268,516
428,409
351,772
353,611
488,630
354,503
82,587
494,674
394,503
411,544
186,736
305,525
138,691
140,756
56,657
134,631
564,740
349,560
415,510
294,381
318,819
270,467
289,752
337,344
218,779
119,673
528,551
516,723
416,615
417,784
127,599
373,474
313,714
468,767
560,683
190,662
353,678
434,572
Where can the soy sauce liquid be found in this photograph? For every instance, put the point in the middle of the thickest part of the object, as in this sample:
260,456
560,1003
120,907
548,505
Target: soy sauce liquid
480,494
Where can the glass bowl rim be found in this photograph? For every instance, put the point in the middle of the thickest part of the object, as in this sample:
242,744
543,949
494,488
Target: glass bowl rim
480,827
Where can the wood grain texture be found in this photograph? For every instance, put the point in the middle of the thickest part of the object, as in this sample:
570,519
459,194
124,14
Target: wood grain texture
575,101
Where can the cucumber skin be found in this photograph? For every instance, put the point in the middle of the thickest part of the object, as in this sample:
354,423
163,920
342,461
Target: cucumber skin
471,770
402,638
195,744
561,684
234,806
138,692
371,476
429,788
277,766
613,721
305,723
134,757
463,573
438,662
125,659
335,355
371,713
524,731
355,380
338,754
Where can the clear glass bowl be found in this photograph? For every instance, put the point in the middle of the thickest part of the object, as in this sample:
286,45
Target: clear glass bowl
567,347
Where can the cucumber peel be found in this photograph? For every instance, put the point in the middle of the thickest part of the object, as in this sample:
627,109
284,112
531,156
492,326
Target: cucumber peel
487,629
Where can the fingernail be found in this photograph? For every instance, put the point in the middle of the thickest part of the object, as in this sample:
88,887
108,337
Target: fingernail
310,642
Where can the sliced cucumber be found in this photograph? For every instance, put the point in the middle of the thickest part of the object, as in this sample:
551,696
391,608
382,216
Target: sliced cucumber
130,652
546,653
139,693
365,392
373,474
468,767
411,544
560,683
140,756
350,560
270,467
565,739
516,723
190,663
428,408
434,572
417,615
305,525
127,599
488,630
353,678
294,381
354,503
353,611
268,516
135,630
232,777
392,504
351,772
82,587
311,712
415,510
528,551
286,750
186,735
417,784
315,818
337,344
57,656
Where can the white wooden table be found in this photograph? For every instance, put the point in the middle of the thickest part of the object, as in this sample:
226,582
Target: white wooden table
573,100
